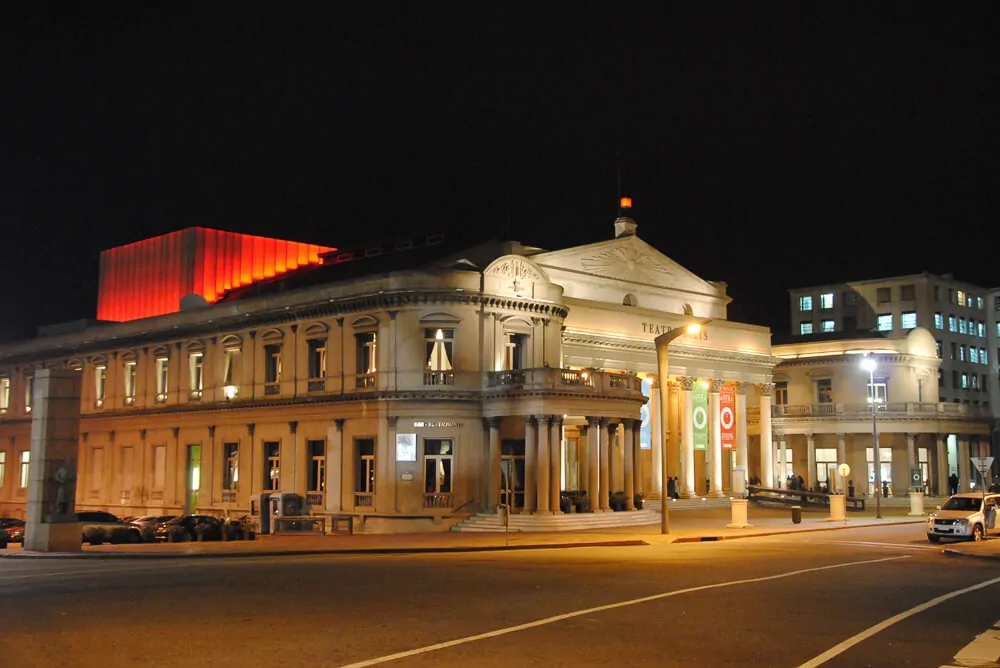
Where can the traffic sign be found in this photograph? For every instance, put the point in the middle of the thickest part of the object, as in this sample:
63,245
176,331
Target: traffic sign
982,464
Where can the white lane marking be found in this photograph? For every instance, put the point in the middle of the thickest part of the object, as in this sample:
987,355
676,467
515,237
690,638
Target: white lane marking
162,566
868,543
983,651
600,608
840,648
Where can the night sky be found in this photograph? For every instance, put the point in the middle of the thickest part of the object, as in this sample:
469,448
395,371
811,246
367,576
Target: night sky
769,149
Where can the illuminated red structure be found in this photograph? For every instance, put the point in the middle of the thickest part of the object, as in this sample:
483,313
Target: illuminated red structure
149,277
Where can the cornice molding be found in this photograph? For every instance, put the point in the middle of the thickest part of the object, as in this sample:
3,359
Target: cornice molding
676,351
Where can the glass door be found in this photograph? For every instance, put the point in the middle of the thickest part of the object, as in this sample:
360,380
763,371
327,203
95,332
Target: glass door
193,479
512,472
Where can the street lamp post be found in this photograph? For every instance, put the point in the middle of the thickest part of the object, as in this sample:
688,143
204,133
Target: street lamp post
663,368
869,365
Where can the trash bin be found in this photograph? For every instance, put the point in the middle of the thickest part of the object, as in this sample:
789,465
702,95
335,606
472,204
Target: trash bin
796,514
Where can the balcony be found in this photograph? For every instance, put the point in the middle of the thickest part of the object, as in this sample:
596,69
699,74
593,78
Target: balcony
364,499
438,501
317,385
902,409
571,380
439,377
366,381
271,389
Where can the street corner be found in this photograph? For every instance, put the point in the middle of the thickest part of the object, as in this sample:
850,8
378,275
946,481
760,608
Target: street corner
987,550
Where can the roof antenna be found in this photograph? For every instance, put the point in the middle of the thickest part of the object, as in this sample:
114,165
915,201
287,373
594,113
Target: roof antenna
618,157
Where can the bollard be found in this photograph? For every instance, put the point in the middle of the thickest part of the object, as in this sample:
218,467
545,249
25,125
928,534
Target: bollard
739,509
796,514
916,503
838,508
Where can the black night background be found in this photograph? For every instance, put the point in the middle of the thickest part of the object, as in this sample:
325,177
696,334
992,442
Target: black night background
769,146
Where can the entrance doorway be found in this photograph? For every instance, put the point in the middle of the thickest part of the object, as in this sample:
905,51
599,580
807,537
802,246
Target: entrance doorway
885,469
512,465
193,479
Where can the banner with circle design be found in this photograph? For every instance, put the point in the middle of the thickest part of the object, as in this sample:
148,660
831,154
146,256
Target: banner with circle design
699,415
727,416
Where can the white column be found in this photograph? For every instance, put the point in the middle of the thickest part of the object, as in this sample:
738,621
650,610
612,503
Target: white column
630,429
607,430
687,439
782,464
555,463
766,441
741,427
615,461
941,463
842,459
530,463
964,465
911,453
334,445
715,438
493,484
658,437
811,461
543,463
637,482
594,465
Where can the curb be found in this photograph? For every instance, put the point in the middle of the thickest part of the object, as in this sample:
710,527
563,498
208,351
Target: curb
717,537
951,552
307,553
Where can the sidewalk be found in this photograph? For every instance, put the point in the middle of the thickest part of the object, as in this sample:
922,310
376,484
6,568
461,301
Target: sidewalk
689,526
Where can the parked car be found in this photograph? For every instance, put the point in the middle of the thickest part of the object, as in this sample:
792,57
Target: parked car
147,525
12,529
967,516
190,527
98,527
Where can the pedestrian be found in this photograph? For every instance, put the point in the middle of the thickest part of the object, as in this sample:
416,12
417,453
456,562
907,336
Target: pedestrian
952,484
671,488
677,491
850,488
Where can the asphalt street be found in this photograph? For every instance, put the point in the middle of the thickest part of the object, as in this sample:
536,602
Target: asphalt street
858,597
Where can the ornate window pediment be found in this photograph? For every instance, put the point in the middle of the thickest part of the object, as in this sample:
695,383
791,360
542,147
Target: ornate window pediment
316,330
273,335
365,322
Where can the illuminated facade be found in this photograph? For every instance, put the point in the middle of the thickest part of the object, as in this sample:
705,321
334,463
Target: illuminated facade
414,388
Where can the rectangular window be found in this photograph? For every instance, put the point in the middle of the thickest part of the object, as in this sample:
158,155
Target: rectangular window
159,467
908,292
231,473
129,371
4,394
908,320
826,462
317,465
938,321
781,393
996,303
979,303
439,346
272,367
126,471
162,370
3,467
965,381
25,463
100,384
952,324
885,322
364,466
960,297
850,298
806,303
805,328
982,356
437,465
954,351
231,373
961,353
878,390
196,371
970,301
974,381
828,326
826,300
883,295
29,392
981,329
272,467
973,354
962,328
938,349
516,350
824,391
317,358
366,353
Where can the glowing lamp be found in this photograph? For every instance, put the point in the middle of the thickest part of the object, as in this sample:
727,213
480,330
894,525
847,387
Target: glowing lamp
626,202
693,328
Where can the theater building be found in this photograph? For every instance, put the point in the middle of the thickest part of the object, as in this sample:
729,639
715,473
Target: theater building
410,386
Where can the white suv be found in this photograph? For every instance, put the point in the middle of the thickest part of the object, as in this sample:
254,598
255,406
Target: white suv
964,516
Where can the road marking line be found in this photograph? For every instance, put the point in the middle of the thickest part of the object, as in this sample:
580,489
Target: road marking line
840,648
601,608
874,544
983,651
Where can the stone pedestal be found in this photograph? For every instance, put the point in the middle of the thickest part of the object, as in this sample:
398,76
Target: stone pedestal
916,504
51,524
739,509
838,508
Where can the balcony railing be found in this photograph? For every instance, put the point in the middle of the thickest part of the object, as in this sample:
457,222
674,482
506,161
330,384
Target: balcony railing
586,381
272,389
900,409
364,499
439,378
437,501
317,385
366,381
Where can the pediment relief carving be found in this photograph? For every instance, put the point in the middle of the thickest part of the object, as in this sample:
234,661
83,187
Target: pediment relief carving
514,274
628,262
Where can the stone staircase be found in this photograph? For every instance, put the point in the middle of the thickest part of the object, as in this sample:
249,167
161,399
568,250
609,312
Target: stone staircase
490,522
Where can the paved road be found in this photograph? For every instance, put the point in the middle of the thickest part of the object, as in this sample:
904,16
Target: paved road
772,601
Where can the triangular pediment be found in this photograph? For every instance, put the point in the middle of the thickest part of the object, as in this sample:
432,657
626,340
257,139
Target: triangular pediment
628,259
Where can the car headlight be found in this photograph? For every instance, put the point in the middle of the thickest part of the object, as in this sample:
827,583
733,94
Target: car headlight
961,522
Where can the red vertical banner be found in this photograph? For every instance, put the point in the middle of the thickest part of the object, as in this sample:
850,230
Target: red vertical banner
727,416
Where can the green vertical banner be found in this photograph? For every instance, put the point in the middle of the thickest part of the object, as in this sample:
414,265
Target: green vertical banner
699,416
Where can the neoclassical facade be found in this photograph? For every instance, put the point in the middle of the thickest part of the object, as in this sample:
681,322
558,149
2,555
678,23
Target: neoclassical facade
822,416
412,389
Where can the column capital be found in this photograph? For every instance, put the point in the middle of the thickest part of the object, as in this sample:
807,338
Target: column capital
605,422
715,385
810,437
391,421
544,419
766,389
530,420
211,431
293,426
654,382
584,428
741,387
556,421
841,435
491,423
593,420
687,382
673,386
340,423
910,437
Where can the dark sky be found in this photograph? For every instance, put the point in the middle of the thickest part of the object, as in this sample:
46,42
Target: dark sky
769,147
